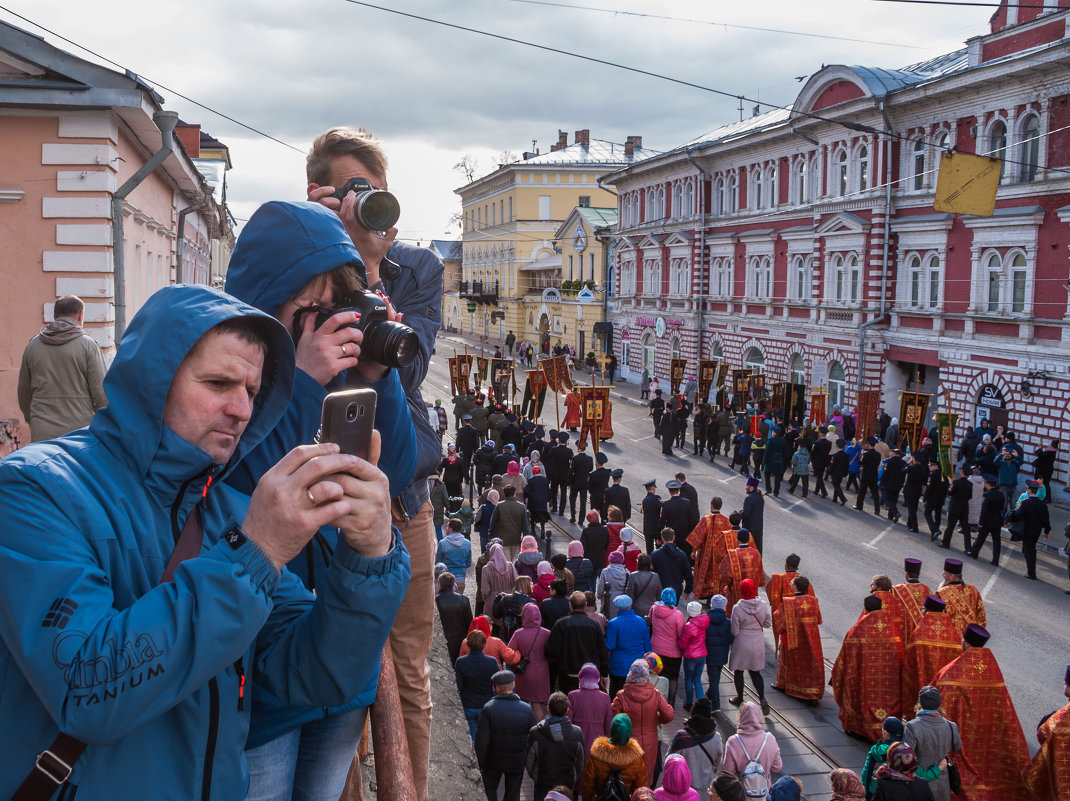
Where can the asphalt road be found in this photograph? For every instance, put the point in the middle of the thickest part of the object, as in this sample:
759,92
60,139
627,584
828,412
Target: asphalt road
842,549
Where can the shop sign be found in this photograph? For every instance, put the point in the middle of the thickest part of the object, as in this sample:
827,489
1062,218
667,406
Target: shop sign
644,321
659,327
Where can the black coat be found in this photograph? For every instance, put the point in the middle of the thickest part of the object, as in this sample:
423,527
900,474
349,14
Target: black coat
894,473
619,496
502,733
753,511
673,568
467,440
652,517
916,476
579,471
484,461
691,494
959,496
893,790
511,433
776,455
869,465
992,504
819,455
473,672
680,515
598,483
935,490
839,465
1033,513
574,640
537,494
595,540
455,612
555,752
557,463
501,464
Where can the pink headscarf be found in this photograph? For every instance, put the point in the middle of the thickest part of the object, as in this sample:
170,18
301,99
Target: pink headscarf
589,676
513,469
492,497
544,568
575,548
529,545
497,558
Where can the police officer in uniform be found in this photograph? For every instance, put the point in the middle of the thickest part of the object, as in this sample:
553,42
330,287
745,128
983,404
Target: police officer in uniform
598,482
617,495
579,481
652,515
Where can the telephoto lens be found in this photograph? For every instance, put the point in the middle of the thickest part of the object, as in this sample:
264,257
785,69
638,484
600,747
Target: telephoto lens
377,210
389,343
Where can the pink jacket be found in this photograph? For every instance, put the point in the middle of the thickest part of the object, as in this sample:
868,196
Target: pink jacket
751,729
693,640
667,624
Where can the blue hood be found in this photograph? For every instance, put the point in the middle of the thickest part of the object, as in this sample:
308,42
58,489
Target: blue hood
283,247
160,336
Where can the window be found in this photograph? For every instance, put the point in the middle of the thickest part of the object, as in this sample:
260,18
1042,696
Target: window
585,201
756,201
845,278
678,277
721,269
837,385
919,164
771,192
493,214
841,173
923,277
1018,279
760,278
544,207
719,197
863,168
676,347
510,209
688,200
797,369
627,278
754,359
716,350
677,199
801,197
648,353
854,278
932,267
733,194
800,278
1029,151
997,142
570,273
651,277
995,278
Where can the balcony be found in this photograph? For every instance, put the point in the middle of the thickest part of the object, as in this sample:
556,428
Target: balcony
479,291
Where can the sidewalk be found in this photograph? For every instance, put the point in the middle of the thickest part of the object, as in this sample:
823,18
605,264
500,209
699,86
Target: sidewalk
629,393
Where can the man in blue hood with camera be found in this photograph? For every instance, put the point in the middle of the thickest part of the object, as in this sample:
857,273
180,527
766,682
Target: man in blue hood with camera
140,595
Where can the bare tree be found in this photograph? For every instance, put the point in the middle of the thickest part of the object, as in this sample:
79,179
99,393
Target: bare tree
467,166
506,157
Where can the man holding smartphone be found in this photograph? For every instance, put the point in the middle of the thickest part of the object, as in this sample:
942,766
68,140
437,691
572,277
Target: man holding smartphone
411,278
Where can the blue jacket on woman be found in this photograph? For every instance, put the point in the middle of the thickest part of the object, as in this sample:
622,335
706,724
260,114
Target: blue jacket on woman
151,675
282,248
627,639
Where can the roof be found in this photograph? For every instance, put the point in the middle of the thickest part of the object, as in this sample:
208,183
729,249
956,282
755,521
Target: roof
551,261
599,152
598,217
447,249
734,130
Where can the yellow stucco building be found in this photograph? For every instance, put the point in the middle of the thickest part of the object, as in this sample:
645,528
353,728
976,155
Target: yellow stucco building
532,230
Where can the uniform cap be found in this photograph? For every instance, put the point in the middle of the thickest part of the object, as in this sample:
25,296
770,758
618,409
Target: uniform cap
466,416
673,485
651,483
618,473
1031,484
562,436
991,479
601,457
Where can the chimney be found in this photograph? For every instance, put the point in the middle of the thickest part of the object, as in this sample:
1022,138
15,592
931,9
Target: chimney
190,137
631,144
583,137
562,141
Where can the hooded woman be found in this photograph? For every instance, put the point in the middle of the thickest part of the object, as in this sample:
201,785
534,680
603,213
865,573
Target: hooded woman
613,581
693,644
896,780
527,471
647,710
533,684
666,626
581,567
699,743
498,577
676,781
483,516
512,478
538,499
749,617
752,741
628,547
619,751
527,561
546,577
589,707
846,786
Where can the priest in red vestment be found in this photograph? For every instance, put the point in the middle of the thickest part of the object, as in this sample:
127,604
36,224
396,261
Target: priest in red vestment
964,602
800,670
908,597
743,562
1048,776
572,410
707,542
934,643
779,588
994,753
866,677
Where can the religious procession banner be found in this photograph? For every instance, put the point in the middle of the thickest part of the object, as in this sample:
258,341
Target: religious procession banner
912,408
707,374
677,367
945,432
818,407
504,380
482,362
595,408
460,370
756,386
740,384
789,400
869,401
534,394
557,372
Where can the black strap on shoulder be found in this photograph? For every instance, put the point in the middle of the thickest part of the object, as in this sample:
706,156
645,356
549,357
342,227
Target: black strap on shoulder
53,766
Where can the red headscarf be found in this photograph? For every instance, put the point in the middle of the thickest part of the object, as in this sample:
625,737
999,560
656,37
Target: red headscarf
747,589
480,623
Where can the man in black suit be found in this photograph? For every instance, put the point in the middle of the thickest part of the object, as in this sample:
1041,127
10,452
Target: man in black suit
678,514
579,481
455,613
934,495
598,482
1033,513
869,466
958,508
557,463
651,515
617,495
990,521
819,459
657,409
894,478
688,493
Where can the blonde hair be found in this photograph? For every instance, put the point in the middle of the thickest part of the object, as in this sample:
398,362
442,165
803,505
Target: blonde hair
355,142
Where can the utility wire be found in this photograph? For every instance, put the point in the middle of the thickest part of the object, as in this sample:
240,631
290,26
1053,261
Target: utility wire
715,24
146,79
966,3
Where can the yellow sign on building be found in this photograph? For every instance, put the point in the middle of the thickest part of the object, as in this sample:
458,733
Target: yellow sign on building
967,184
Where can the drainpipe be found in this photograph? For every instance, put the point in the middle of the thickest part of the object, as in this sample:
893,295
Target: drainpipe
884,258
702,249
165,121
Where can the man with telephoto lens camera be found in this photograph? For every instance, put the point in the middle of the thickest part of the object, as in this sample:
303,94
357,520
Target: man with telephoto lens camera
411,279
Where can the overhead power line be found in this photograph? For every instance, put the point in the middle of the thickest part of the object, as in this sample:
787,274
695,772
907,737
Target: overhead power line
146,79
966,3
716,24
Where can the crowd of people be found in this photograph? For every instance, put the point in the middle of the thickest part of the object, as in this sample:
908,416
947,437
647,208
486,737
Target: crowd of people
571,664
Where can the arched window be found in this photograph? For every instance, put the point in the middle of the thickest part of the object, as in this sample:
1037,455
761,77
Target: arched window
801,197
687,199
648,353
756,201
997,142
722,277
994,271
771,193
677,211
676,347
678,277
919,164
652,277
1029,150
914,271
800,277
733,193
837,278
854,278
841,173
754,359
863,168
932,269
1018,282
719,197
797,369
716,350
837,385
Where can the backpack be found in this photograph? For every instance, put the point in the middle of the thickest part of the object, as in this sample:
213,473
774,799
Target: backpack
614,788
755,779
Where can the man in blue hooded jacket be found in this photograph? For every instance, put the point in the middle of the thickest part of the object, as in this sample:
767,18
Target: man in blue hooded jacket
291,257
138,594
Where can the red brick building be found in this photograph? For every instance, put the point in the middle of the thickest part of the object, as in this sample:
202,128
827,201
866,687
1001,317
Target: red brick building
803,240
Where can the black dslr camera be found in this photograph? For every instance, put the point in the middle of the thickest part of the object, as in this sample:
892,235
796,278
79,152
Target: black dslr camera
389,343
376,209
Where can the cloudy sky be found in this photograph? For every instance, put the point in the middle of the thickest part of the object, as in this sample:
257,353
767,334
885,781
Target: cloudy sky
434,94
